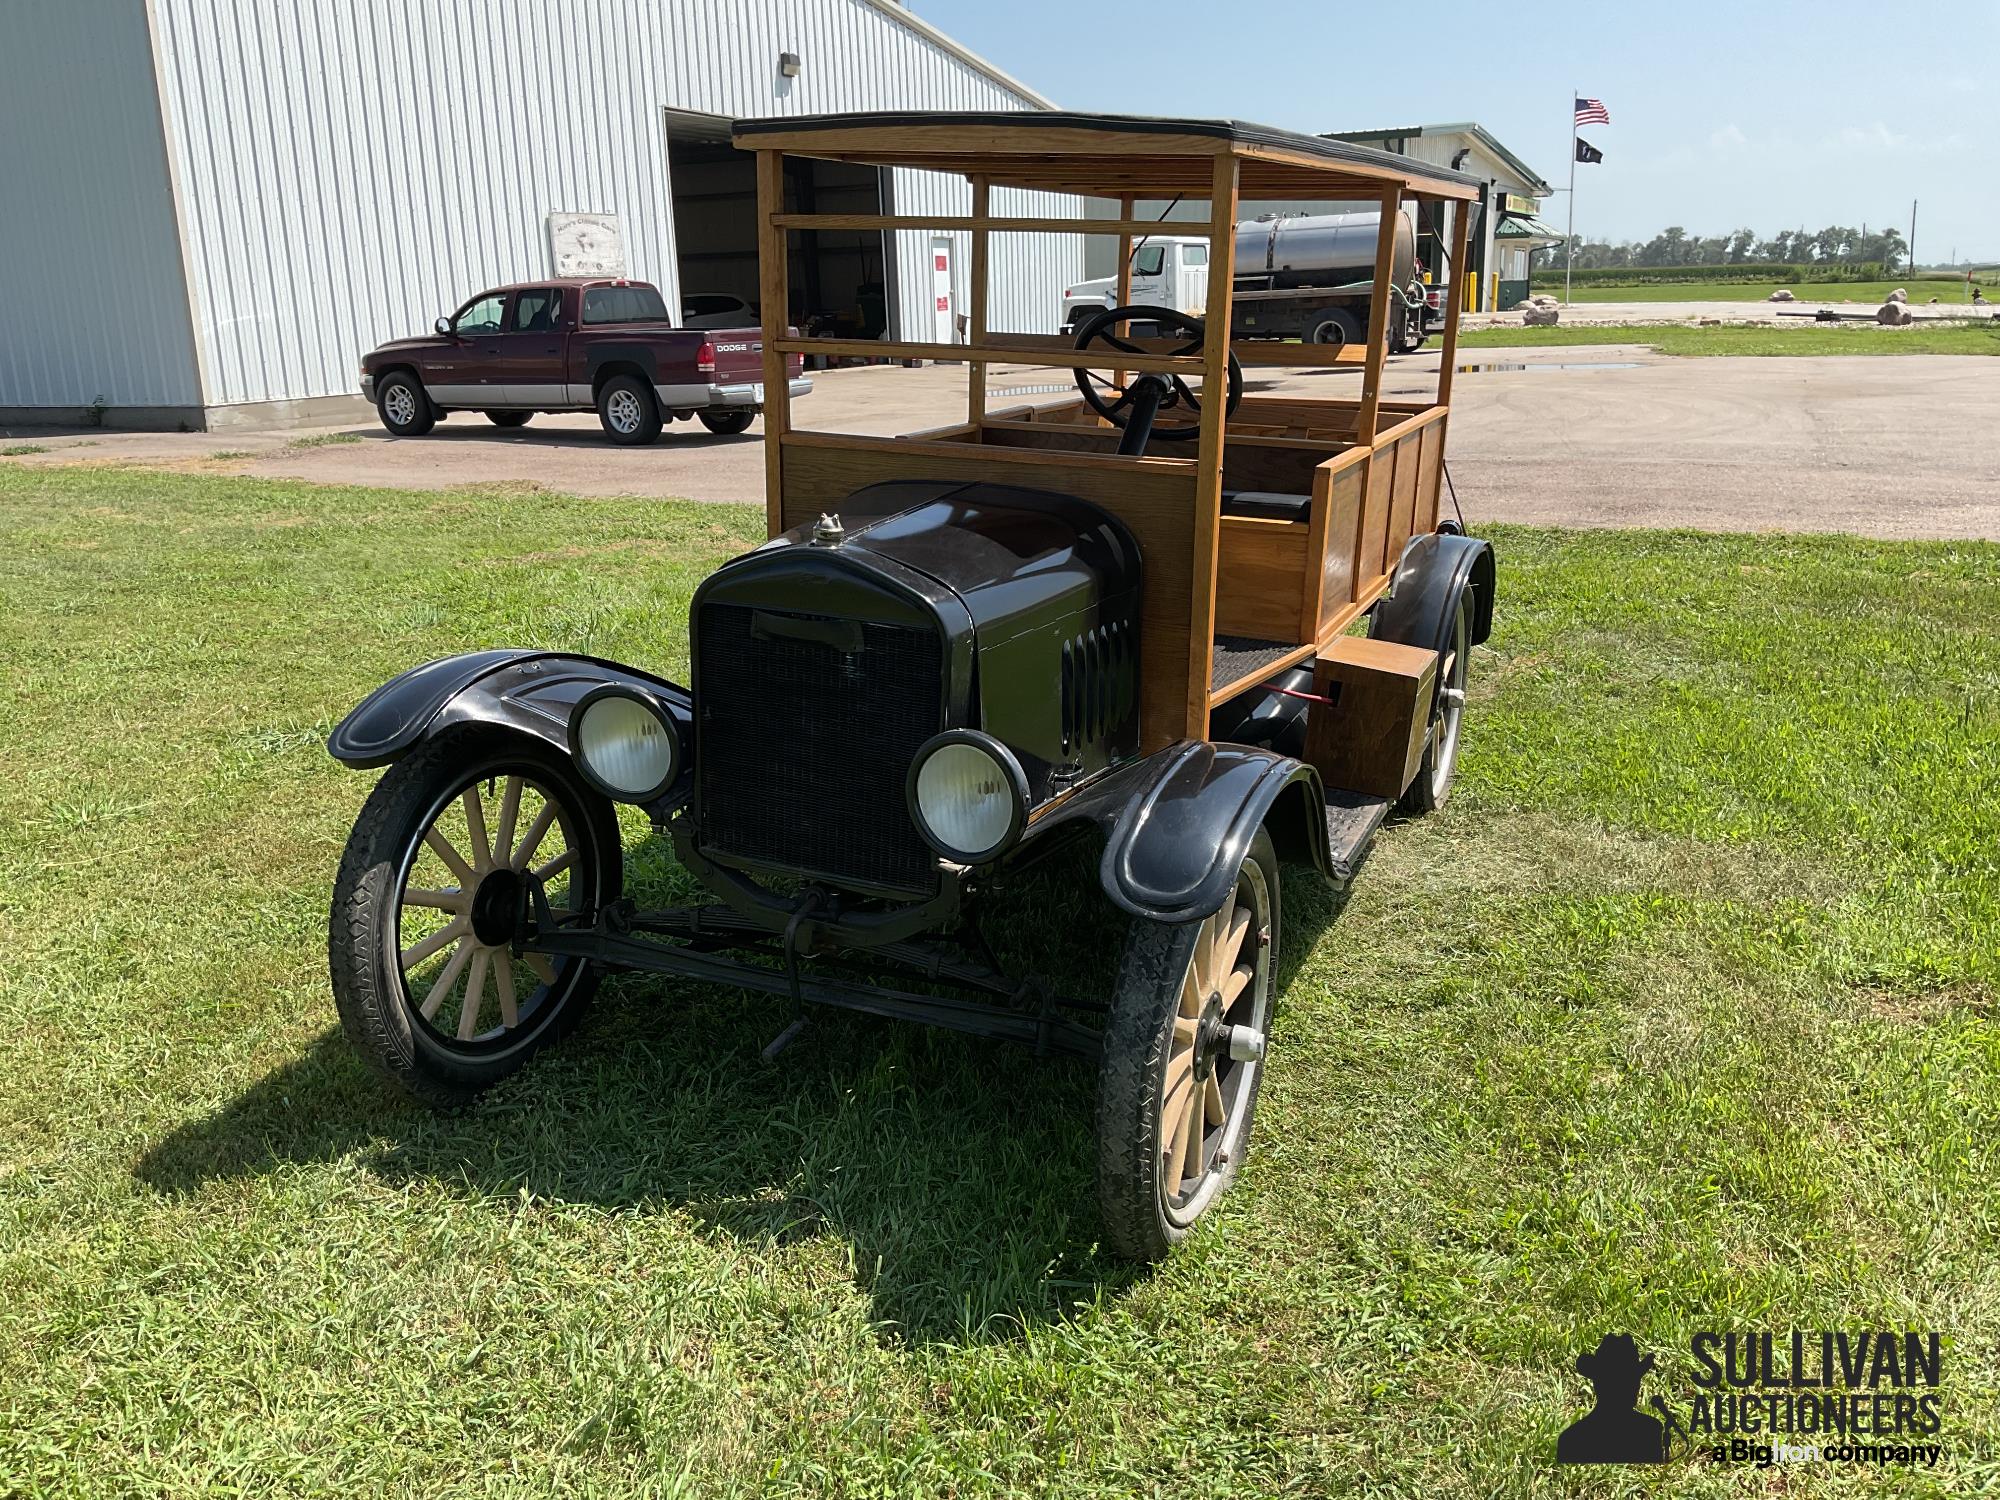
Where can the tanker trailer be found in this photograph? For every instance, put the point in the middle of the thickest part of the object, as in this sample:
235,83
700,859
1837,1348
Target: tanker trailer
1309,276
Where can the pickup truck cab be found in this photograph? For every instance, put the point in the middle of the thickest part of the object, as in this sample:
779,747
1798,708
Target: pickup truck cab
592,344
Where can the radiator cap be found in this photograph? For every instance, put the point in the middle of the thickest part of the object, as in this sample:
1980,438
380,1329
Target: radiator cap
828,532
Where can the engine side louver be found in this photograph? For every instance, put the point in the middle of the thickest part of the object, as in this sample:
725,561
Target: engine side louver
1097,677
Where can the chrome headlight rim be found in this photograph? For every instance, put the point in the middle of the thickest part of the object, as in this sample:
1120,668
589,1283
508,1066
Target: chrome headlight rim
677,757
1010,768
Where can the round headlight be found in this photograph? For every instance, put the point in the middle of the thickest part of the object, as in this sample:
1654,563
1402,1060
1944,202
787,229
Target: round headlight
625,744
969,795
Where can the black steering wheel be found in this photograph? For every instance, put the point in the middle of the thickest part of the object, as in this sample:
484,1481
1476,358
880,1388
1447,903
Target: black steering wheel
1172,391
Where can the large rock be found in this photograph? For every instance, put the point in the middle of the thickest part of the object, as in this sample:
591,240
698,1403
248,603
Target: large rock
1893,314
1540,312
1899,295
1782,294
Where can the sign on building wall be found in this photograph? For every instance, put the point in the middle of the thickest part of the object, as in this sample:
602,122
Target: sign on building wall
586,245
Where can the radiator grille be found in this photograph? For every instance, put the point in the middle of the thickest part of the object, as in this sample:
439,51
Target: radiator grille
806,744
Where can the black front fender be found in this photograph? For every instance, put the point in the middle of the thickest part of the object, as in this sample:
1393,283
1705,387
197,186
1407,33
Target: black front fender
531,692
1177,824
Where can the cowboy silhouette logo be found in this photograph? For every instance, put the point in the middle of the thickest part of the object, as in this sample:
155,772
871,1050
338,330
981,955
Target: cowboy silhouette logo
1615,1431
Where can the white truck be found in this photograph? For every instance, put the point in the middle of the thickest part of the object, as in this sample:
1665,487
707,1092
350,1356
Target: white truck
1302,276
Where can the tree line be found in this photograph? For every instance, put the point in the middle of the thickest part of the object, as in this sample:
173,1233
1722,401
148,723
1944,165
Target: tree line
1674,246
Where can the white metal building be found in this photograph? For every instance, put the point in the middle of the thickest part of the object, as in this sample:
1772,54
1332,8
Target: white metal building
210,208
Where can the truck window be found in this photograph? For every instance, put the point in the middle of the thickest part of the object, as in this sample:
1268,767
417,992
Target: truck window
623,304
1149,260
480,316
1194,255
538,309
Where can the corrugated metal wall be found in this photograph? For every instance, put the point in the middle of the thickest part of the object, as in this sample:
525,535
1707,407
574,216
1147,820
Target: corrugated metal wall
94,306
351,168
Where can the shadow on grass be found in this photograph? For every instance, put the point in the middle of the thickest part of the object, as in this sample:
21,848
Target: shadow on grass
958,1173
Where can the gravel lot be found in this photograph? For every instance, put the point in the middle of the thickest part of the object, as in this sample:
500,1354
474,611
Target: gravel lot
1602,435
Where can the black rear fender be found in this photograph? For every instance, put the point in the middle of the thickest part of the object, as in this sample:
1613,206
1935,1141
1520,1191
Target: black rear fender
1177,824
529,692
1423,597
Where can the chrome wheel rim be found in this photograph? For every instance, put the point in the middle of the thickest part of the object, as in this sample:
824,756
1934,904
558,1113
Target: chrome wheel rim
400,402
455,901
1221,1013
1451,696
623,409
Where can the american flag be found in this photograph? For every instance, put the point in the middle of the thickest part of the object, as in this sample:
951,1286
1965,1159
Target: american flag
1592,112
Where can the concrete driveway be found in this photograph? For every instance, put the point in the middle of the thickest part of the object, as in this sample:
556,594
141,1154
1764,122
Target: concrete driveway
1598,435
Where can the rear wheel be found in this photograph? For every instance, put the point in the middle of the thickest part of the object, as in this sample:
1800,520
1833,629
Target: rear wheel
1332,325
429,900
510,418
1432,787
627,408
727,423
403,406
1183,1061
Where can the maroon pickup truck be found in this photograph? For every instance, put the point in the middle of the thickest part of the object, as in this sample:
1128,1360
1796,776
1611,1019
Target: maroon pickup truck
573,345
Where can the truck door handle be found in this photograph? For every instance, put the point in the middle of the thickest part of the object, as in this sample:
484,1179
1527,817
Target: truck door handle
553,349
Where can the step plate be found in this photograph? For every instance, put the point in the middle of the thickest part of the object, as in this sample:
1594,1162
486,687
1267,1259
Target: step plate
1351,821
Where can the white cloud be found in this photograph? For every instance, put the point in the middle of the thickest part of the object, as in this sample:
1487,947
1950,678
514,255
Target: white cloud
1728,141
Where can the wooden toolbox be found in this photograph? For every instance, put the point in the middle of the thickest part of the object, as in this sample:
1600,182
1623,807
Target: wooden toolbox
1371,734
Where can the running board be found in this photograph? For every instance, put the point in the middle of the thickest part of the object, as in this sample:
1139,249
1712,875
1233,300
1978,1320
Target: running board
1351,821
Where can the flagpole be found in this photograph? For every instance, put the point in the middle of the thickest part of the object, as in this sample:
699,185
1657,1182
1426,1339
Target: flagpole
1569,244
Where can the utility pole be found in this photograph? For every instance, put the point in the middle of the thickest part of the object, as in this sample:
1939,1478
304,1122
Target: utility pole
1913,237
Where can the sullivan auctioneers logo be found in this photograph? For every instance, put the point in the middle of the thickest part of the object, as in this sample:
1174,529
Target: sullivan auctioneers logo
1859,1397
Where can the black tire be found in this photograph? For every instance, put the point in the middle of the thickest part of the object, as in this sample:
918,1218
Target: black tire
727,423
1332,325
377,907
510,418
1150,1205
1432,787
629,410
404,405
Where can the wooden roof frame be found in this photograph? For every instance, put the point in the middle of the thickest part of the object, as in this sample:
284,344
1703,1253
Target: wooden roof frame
1108,156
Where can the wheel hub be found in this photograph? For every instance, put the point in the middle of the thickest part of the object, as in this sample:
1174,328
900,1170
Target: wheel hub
1206,1036
496,906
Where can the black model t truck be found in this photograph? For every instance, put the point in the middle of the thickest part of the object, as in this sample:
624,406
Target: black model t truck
1131,619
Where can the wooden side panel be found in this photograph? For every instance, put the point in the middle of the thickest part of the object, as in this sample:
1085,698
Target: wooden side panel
1430,481
1154,497
1343,541
1368,562
1403,495
1260,578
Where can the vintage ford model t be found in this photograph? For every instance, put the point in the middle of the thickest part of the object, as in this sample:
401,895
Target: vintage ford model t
1133,617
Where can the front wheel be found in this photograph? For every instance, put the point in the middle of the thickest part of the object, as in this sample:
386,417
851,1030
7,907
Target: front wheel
404,408
1183,1061
430,897
627,408
510,418
727,423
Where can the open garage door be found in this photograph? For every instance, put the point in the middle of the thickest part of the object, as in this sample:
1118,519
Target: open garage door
840,282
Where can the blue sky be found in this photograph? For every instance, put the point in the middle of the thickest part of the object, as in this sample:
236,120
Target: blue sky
1722,115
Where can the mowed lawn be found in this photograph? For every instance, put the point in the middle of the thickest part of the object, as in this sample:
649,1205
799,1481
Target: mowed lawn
1680,1017
1752,339
1873,293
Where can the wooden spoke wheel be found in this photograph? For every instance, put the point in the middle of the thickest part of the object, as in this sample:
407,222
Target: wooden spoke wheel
1183,1061
1431,788
438,879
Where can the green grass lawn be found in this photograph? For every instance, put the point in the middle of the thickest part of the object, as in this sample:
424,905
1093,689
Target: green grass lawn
1751,339
1681,1016
1871,293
